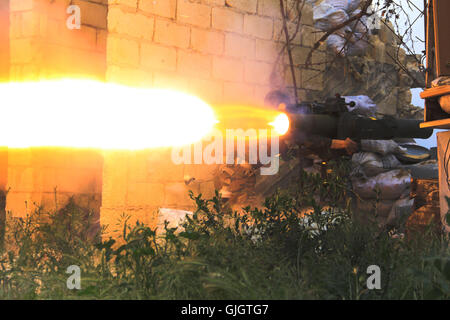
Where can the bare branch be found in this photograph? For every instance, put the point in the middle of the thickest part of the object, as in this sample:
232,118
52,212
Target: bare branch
288,41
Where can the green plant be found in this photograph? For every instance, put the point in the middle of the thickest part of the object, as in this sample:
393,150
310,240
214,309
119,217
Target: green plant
277,252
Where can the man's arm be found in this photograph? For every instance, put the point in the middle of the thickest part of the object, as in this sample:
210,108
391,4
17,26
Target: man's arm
348,144
322,145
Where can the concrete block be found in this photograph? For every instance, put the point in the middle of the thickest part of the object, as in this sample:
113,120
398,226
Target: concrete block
158,57
239,46
131,24
228,69
123,51
259,27
249,6
258,72
227,20
171,34
207,41
194,64
194,13
163,8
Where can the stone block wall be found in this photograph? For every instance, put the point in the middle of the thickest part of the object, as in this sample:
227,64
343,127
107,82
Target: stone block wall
222,51
4,40
50,176
137,183
42,46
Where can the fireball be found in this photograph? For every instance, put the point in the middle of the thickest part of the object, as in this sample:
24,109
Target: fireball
93,114
281,124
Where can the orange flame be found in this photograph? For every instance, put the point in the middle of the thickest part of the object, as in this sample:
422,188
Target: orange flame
92,114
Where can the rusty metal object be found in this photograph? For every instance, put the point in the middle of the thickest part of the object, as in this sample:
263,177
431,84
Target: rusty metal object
426,212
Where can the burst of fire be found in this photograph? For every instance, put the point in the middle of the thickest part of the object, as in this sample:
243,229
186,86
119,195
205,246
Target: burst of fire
252,117
281,124
91,114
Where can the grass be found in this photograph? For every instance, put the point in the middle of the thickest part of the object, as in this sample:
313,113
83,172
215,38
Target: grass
271,253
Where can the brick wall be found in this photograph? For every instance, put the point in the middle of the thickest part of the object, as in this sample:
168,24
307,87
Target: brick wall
222,51
138,183
43,47
50,176
4,40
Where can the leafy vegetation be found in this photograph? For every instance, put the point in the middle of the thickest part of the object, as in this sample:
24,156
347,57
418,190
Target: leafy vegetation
278,252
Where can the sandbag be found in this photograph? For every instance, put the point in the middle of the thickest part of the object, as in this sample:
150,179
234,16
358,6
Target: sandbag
337,44
380,208
382,147
444,102
390,161
369,164
390,185
327,17
360,25
400,211
332,13
364,106
441,81
344,5
363,158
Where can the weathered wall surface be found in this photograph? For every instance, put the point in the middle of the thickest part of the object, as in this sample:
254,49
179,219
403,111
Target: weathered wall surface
41,45
222,51
49,176
138,183
4,40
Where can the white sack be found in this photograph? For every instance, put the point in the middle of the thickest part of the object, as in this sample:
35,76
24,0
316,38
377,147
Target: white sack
391,185
364,106
382,147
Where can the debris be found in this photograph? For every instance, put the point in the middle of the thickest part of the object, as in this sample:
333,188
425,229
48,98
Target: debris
422,219
174,217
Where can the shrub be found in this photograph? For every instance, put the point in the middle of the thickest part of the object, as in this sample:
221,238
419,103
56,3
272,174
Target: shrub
277,252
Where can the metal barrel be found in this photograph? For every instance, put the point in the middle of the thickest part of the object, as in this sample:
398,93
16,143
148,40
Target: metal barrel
318,124
357,127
